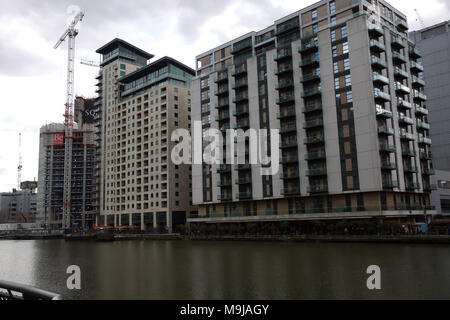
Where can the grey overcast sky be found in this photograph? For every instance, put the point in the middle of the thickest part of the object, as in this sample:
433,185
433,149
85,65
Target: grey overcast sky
33,74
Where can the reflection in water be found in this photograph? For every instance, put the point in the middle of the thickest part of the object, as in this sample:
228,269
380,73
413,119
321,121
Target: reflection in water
228,270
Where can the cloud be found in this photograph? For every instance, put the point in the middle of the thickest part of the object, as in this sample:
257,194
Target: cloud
2,171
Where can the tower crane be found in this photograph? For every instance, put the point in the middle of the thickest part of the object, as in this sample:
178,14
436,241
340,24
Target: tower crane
419,18
19,168
70,33
90,63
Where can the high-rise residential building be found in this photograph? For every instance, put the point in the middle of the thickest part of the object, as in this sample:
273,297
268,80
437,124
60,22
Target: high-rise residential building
51,176
140,186
18,206
341,82
434,45
118,58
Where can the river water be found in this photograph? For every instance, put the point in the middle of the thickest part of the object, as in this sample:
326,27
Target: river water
228,270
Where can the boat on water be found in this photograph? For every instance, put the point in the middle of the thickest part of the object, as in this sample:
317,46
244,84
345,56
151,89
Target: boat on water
16,291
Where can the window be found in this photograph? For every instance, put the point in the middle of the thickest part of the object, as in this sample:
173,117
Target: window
123,67
333,35
336,83
349,96
348,80
332,7
334,49
335,67
333,20
345,48
344,31
314,14
315,28
347,64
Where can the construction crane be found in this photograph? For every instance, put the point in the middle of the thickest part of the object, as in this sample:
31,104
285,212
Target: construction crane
90,63
419,18
69,34
19,168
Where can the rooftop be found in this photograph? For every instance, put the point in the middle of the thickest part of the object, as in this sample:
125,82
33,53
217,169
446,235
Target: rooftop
115,44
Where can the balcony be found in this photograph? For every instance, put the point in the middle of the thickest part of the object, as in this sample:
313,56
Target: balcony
377,46
419,110
388,184
388,166
286,98
384,147
403,104
284,84
286,27
222,103
312,45
283,54
380,95
243,167
285,144
224,197
240,98
410,169
376,30
312,108
383,113
379,63
414,53
313,123
309,77
424,140
224,184
243,124
429,171
223,116
240,111
221,77
224,168
378,78
289,176
224,128
240,70
404,135
316,172
245,180
416,66
412,186
240,84
221,91
314,139
317,189
426,155
417,82
385,131
405,120
291,191
311,92
402,26
283,69
286,114
289,159
287,128
419,96
241,46
423,125
400,73
308,62
408,153
397,43
399,58
400,88
318,155
243,195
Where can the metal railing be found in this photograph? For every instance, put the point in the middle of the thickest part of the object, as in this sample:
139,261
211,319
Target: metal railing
15,291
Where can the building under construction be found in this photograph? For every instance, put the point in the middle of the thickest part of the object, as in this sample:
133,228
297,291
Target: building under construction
51,171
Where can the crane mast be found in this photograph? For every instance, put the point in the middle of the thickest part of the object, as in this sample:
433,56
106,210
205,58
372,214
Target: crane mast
70,33
19,168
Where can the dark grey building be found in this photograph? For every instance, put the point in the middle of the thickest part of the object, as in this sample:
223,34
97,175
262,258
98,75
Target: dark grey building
434,43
